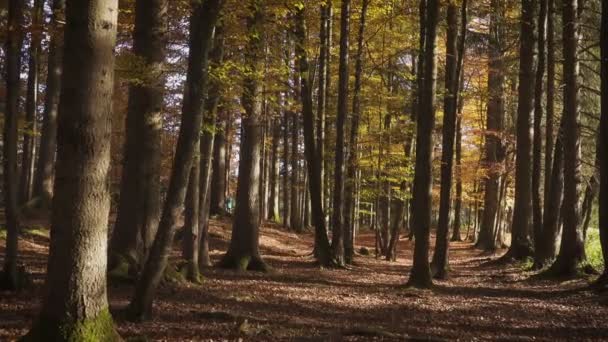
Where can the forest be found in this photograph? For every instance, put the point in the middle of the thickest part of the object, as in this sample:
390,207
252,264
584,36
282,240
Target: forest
303,170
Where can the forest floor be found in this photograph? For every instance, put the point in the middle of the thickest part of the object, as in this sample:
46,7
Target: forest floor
368,301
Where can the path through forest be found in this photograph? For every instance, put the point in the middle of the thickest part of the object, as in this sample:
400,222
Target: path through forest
299,301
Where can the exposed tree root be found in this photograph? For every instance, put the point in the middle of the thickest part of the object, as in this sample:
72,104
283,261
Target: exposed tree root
243,263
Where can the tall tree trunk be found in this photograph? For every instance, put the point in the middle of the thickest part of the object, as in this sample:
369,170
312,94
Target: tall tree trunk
537,205
31,103
139,204
202,22
353,163
439,265
75,305
520,231
295,219
603,152
273,197
218,186
45,170
494,155
14,40
200,244
337,242
313,163
243,252
421,214
572,249
286,188
550,105
324,72
456,234
191,219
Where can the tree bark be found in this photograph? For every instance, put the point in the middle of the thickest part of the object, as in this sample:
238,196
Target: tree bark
243,252
31,102
75,298
313,163
603,152
439,265
139,204
550,105
218,186
572,249
494,155
45,168
202,22
537,205
273,199
422,202
14,41
353,162
520,231
337,242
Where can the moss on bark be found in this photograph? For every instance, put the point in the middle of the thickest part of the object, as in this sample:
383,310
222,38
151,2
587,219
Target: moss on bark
96,329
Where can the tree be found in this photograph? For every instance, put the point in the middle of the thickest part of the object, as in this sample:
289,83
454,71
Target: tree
603,153
202,21
75,305
43,182
520,237
31,103
243,252
349,188
537,210
494,154
322,247
572,249
139,204
439,266
218,186
337,243
420,275
14,40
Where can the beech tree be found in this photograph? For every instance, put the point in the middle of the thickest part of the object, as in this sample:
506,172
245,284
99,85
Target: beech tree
202,22
243,252
45,166
75,305
420,275
603,153
14,40
139,205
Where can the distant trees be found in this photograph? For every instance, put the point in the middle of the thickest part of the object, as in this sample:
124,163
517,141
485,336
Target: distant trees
75,305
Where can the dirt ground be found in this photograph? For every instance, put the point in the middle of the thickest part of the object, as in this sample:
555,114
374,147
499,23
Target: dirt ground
299,301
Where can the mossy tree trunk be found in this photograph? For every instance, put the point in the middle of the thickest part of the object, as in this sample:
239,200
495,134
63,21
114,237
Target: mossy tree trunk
243,252
75,305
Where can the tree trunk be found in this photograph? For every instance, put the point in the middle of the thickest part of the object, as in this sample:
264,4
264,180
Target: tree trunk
603,152
75,305
273,199
572,249
218,186
14,41
202,22
191,220
324,73
520,231
31,104
286,188
337,242
353,163
313,163
139,204
421,215
295,222
45,170
537,205
550,105
439,264
243,252
494,155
